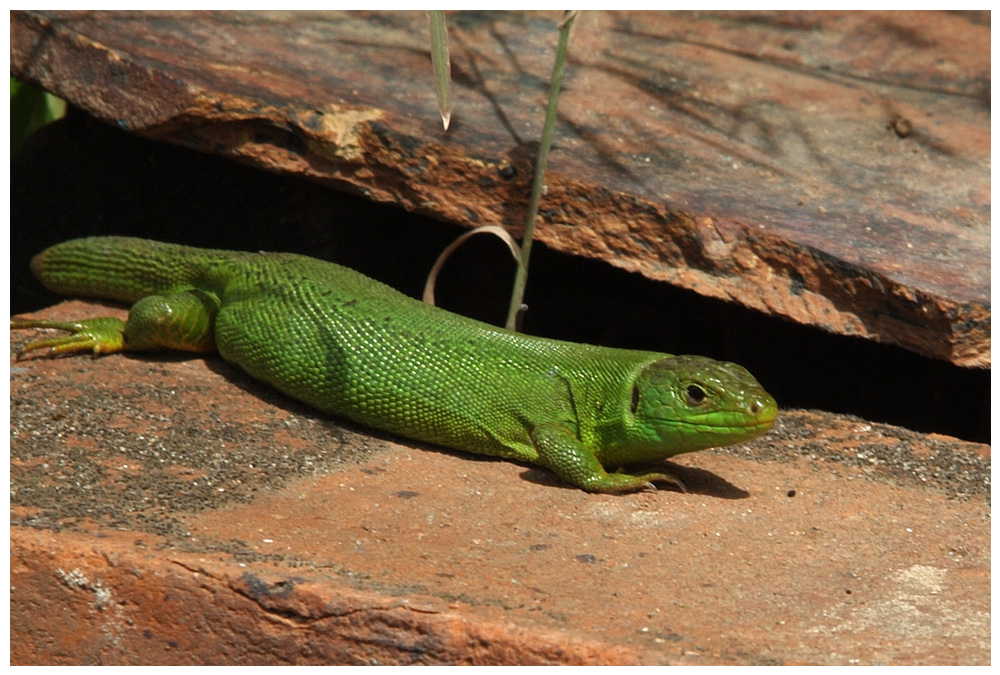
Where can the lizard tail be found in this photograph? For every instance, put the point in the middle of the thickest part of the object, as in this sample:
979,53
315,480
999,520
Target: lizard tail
119,268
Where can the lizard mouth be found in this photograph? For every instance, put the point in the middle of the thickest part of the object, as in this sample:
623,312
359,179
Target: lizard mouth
734,423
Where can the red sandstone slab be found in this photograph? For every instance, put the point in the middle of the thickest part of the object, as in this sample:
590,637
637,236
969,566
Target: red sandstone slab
170,510
832,168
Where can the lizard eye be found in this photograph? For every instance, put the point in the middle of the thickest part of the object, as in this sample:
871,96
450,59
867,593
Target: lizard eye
695,395
635,400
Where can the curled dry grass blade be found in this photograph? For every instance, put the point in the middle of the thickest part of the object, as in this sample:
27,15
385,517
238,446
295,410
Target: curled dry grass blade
439,263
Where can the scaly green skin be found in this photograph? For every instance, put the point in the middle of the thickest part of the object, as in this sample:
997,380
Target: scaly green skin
353,347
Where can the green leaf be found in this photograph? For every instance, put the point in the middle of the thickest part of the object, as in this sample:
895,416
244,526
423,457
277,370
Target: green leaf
30,109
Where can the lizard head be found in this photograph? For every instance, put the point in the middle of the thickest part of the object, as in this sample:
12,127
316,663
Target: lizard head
686,403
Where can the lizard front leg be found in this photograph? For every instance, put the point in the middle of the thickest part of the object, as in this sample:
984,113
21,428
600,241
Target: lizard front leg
560,450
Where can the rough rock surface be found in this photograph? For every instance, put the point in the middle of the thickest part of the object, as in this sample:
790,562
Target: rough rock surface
169,510
832,168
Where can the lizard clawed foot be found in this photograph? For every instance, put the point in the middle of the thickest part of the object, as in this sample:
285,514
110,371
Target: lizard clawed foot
649,478
100,336
665,478
621,481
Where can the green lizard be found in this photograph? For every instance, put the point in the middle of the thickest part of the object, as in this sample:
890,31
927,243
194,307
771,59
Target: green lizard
353,347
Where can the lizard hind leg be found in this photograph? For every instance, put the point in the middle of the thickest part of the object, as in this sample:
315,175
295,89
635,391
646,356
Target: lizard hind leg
184,320
181,320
